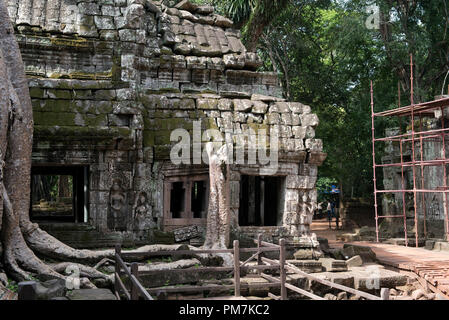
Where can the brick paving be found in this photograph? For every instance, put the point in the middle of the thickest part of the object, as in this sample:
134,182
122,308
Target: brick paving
432,266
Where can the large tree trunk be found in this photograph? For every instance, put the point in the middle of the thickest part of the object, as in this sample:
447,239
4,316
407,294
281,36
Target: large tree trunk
23,241
19,237
218,218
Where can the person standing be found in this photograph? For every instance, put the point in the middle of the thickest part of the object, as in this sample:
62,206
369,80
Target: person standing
337,214
329,214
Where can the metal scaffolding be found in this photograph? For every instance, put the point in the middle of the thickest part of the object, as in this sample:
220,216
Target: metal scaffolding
414,139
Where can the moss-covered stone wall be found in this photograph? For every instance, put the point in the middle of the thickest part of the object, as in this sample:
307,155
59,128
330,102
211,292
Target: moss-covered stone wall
111,79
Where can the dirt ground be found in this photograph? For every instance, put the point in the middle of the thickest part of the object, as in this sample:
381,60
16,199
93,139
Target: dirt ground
321,229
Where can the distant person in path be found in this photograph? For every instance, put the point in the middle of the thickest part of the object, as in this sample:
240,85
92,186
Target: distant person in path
337,214
319,210
329,213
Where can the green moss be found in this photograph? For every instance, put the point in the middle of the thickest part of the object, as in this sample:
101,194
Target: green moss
83,75
79,133
151,101
207,104
172,124
162,153
94,120
258,127
148,138
96,107
162,137
55,106
210,123
36,93
77,43
54,118
59,94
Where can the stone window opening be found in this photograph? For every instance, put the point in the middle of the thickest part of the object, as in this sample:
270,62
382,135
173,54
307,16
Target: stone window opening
59,194
177,200
261,201
185,201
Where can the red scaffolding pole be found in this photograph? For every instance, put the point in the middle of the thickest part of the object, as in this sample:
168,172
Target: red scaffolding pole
416,138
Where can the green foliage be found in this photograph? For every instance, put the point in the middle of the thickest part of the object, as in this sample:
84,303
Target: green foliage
326,57
324,185
12,285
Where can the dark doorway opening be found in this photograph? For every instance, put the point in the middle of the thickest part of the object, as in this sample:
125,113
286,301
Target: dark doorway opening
59,194
260,201
199,195
177,199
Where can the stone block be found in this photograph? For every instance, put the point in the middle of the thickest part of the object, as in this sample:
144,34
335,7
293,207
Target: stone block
366,253
91,294
308,266
314,145
187,233
376,277
104,23
207,104
310,120
299,108
355,261
305,254
332,265
301,182
242,105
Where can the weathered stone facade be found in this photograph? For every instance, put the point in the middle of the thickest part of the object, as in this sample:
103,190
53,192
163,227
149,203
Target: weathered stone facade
111,79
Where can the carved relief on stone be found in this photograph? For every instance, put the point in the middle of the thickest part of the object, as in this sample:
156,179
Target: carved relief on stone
143,213
117,218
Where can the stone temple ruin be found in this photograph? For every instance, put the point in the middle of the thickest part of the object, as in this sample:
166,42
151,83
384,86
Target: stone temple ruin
110,80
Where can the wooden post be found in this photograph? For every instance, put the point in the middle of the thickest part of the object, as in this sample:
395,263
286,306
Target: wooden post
385,294
259,256
134,289
282,269
27,290
236,268
118,251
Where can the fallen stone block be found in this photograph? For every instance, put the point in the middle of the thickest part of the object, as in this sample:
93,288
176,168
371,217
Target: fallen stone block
355,261
91,294
308,266
332,265
366,253
440,246
307,254
187,233
418,294
376,277
50,289
342,278
258,292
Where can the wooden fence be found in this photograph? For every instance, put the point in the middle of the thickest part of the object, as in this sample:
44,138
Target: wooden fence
137,290
262,265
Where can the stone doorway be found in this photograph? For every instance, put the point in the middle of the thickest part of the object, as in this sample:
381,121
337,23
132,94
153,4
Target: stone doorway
261,201
59,194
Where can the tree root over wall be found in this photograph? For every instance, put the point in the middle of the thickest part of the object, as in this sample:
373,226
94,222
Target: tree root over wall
24,243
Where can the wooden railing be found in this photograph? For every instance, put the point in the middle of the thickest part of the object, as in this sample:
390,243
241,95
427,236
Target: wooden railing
263,264
137,290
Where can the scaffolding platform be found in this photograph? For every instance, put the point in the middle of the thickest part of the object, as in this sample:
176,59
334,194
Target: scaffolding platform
411,143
